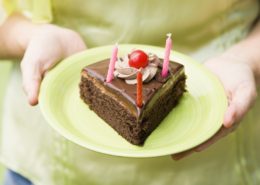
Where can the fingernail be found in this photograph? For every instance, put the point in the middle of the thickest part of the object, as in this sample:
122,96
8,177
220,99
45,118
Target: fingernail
32,99
229,120
176,158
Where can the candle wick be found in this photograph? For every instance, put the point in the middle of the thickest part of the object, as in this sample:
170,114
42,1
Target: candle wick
169,35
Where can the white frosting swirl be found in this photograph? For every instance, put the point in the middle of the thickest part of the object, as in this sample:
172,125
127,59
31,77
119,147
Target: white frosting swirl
124,71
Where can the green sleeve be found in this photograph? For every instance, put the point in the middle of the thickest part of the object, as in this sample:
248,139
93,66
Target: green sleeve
39,10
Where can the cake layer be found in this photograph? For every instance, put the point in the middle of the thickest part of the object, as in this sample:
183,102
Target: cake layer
115,102
118,86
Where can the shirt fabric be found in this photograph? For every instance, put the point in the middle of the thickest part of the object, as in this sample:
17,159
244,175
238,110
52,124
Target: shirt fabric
201,28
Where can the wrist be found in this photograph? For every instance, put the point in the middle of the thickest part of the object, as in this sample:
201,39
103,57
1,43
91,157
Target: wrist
35,31
27,30
244,52
16,33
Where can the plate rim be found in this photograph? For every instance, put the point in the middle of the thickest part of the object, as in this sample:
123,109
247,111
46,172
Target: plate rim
87,53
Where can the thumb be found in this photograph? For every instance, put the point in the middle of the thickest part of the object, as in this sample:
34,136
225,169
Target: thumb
32,77
230,116
241,101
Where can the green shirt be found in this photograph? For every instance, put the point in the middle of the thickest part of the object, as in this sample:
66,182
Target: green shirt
201,28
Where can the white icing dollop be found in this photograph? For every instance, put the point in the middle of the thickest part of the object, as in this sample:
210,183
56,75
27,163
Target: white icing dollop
124,71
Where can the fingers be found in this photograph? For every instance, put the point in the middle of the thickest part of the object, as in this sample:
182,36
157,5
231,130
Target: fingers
182,155
76,43
230,116
240,102
32,91
50,45
221,133
32,76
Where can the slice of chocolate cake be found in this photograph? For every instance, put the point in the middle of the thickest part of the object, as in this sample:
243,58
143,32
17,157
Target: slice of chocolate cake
115,102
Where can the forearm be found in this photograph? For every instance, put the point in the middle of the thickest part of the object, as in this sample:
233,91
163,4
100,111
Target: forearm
248,51
15,34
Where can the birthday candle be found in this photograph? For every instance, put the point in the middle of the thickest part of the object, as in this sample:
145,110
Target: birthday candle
168,47
139,90
112,63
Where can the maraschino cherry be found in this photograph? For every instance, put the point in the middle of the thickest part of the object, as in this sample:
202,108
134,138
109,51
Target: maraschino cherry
138,59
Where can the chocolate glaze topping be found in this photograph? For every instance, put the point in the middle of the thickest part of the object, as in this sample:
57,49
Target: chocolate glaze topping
99,71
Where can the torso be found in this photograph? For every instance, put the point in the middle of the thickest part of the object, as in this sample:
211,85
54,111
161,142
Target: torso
202,28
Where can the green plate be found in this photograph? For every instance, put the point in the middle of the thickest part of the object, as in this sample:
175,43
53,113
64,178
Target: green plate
197,117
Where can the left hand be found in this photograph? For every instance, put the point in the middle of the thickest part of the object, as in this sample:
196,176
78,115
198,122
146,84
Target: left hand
238,81
47,46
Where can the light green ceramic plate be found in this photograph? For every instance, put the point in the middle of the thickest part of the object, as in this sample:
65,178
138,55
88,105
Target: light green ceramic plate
197,117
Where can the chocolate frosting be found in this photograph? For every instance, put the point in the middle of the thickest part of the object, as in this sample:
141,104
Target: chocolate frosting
99,71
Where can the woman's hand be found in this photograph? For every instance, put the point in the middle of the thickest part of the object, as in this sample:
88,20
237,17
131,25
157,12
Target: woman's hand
48,45
238,81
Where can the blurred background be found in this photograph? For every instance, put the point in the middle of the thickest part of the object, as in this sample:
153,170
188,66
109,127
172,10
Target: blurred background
5,67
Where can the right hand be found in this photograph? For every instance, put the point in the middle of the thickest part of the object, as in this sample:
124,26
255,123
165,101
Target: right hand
47,46
237,78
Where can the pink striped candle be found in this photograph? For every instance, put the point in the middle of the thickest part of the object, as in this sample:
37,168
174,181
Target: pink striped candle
166,60
112,63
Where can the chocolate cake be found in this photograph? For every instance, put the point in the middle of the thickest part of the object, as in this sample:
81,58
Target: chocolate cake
115,102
